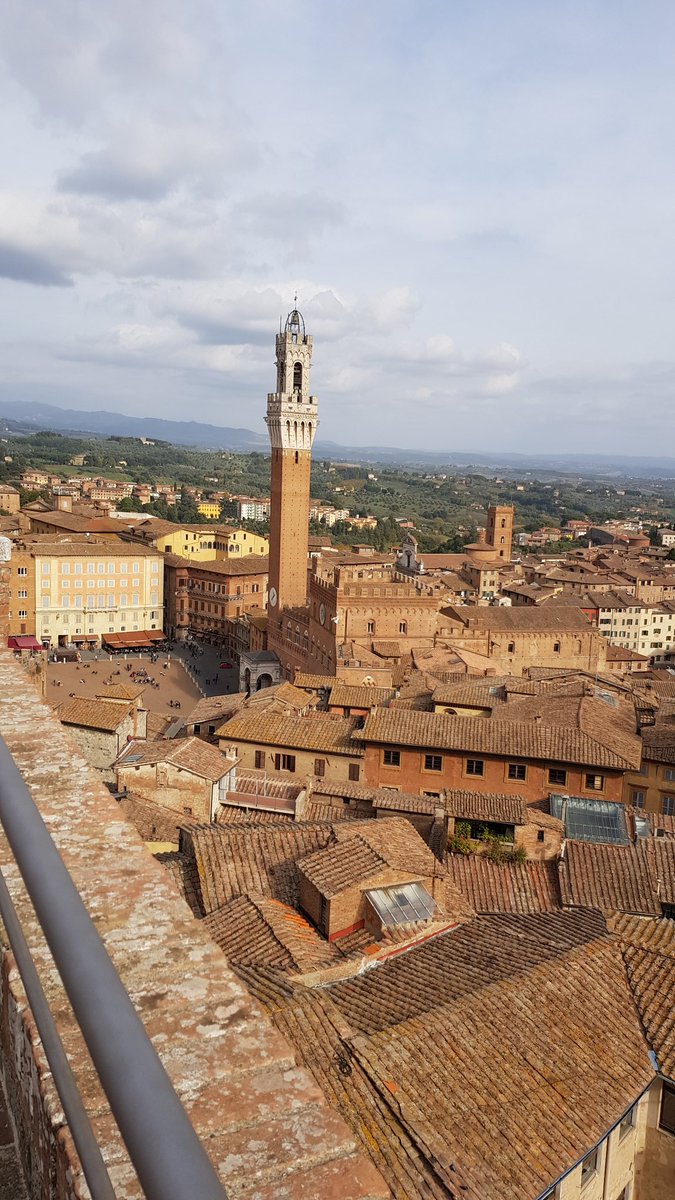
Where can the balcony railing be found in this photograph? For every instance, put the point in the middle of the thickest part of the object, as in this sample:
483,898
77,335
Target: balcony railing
166,1153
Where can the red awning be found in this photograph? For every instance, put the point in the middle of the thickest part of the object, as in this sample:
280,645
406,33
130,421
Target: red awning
24,642
155,635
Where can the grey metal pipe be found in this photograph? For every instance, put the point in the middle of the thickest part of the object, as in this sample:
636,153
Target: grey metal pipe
167,1155
95,1173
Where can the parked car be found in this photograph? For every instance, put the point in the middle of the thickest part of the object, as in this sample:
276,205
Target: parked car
225,666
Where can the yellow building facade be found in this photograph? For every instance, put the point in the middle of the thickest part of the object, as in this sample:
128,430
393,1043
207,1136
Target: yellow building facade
210,509
74,593
203,543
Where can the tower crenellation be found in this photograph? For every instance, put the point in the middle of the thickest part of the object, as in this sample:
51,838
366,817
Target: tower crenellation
292,412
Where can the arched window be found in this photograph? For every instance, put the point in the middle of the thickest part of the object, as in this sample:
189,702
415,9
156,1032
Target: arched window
297,377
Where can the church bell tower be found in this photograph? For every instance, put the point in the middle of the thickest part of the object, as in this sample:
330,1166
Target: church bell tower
291,420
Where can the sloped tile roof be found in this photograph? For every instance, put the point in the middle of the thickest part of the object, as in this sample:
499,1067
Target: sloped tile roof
318,731
260,931
485,806
215,708
527,619
662,851
505,887
387,649
383,798
123,691
438,731
527,1086
190,754
153,822
652,979
482,952
341,865
233,860
515,1009
347,695
313,682
94,714
611,878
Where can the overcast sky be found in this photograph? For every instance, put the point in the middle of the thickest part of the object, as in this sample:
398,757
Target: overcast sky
473,198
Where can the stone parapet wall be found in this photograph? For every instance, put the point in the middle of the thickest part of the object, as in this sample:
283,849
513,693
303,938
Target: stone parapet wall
263,1121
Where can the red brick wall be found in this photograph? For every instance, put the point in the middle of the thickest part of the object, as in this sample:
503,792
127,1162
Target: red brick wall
411,776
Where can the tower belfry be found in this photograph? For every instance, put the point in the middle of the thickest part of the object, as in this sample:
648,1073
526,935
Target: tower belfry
292,418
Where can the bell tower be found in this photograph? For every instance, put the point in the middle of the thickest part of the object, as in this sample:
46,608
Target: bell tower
291,420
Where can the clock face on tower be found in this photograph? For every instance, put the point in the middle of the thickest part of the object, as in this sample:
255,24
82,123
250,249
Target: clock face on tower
322,614
273,596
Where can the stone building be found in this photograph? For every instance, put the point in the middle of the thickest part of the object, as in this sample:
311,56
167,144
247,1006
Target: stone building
10,499
103,727
187,776
518,638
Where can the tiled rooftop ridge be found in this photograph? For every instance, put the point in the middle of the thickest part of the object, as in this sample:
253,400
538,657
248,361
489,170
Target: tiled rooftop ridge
262,1119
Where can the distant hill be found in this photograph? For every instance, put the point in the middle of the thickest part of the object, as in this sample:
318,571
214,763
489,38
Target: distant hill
33,415
29,416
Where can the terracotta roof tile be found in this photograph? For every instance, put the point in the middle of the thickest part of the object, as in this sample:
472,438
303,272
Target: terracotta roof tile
346,695
341,865
190,754
505,887
527,1088
234,860
485,806
318,731
611,878
518,618
215,708
122,691
438,731
260,931
313,682
92,713
387,649
153,822
451,966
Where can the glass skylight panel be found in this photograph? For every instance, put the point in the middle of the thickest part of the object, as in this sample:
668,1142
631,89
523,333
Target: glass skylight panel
591,820
403,904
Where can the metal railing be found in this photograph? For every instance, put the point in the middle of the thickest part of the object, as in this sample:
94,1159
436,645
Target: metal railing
169,1159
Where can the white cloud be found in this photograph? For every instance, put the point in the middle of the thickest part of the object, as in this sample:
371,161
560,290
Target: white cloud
459,216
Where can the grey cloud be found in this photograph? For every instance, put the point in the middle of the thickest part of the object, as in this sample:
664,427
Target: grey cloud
28,266
97,175
214,332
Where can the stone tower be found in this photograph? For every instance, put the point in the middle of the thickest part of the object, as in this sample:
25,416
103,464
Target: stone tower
291,421
500,530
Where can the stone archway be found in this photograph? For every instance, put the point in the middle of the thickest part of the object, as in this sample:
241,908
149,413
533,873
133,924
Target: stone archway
263,681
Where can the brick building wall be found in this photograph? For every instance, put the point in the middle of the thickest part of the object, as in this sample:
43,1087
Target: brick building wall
411,775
